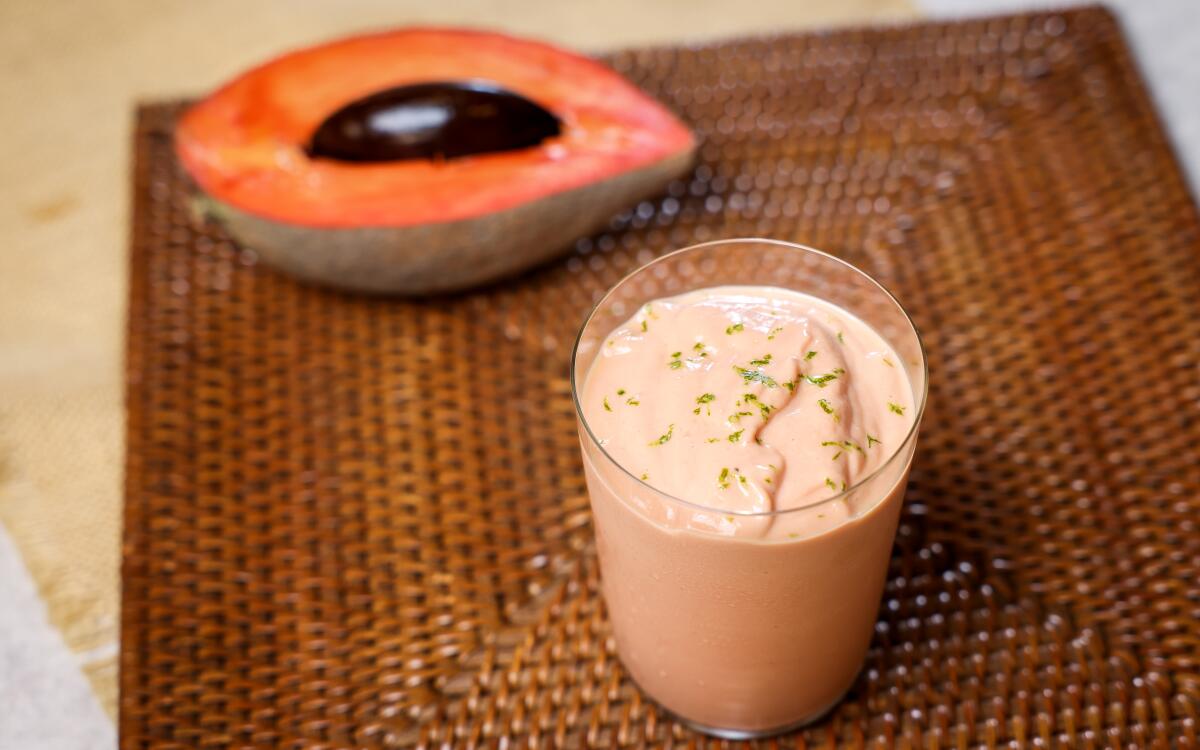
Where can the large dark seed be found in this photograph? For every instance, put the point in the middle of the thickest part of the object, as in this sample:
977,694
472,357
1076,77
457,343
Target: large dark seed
432,121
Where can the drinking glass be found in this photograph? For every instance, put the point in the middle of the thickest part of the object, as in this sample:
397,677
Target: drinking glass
744,637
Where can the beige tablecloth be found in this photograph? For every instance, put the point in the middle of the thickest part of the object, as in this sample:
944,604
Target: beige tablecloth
70,74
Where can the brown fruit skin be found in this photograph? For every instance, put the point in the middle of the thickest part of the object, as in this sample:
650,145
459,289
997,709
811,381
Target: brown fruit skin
452,256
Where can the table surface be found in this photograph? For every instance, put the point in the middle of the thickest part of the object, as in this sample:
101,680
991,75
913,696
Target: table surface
74,72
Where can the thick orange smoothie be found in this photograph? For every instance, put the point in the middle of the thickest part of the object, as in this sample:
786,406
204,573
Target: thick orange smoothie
746,450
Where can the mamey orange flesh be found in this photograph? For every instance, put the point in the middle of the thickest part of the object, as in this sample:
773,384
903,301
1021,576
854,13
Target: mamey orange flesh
244,144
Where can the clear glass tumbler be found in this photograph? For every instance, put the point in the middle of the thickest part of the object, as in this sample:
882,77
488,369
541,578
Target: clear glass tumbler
733,653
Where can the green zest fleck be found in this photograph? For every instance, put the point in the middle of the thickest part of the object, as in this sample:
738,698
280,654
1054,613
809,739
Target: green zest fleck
676,355
823,380
840,445
846,444
756,376
645,327
791,384
645,476
714,440
895,408
699,357
737,415
888,362
766,360
723,479
735,328
830,484
825,407
763,408
665,436
841,340
741,478
809,356
606,406
850,445
774,331
872,440
620,391
736,436
698,347
704,398
632,401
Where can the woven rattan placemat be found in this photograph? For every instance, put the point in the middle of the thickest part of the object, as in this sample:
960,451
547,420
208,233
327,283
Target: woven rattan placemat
358,522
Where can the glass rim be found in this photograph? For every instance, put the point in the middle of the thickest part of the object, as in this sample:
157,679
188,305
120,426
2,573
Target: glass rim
919,412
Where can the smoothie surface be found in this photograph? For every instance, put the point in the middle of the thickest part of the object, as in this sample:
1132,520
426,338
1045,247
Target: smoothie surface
749,399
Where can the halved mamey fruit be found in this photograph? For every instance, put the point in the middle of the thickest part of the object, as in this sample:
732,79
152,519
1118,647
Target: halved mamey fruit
426,160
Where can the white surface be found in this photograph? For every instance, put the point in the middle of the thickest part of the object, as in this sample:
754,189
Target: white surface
1165,37
46,703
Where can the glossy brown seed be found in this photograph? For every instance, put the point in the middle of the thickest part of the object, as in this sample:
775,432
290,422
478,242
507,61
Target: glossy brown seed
432,121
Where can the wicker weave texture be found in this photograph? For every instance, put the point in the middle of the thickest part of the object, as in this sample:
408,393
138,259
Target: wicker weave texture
357,522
